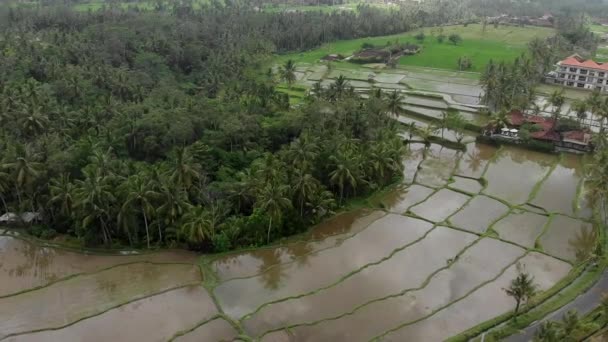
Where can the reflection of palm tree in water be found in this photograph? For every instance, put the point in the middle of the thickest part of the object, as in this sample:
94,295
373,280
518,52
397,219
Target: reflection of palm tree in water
474,161
583,242
300,252
270,270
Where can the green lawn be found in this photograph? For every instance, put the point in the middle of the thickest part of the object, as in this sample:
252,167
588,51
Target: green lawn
95,5
602,54
322,8
598,28
503,43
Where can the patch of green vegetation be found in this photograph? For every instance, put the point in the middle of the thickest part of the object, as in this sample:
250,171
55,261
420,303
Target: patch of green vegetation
598,28
499,44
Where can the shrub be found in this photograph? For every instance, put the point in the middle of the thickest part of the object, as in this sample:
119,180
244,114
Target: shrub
455,38
48,234
464,63
420,36
567,124
367,45
221,243
441,38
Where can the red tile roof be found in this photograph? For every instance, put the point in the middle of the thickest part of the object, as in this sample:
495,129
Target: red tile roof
549,135
577,61
578,136
546,132
516,118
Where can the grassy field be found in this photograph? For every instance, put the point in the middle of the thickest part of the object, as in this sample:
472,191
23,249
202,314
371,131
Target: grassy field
95,5
598,28
602,54
351,6
503,43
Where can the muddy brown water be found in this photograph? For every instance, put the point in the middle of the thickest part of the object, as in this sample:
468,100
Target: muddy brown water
356,276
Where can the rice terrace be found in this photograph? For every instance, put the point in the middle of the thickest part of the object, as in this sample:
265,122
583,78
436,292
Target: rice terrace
160,182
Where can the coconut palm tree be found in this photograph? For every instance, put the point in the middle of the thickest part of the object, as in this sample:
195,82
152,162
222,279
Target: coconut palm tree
24,168
303,151
273,200
4,187
196,225
556,100
594,102
393,103
547,332
185,168
138,195
94,197
62,193
303,186
580,108
345,172
521,289
288,72
499,119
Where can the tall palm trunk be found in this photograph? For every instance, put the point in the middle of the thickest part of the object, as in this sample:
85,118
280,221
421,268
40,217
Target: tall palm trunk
269,227
4,203
147,230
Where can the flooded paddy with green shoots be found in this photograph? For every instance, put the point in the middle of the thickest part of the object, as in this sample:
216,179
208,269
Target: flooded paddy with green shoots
430,261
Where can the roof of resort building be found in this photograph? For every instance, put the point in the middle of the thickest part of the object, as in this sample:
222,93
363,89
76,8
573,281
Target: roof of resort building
546,132
549,135
578,61
517,118
579,137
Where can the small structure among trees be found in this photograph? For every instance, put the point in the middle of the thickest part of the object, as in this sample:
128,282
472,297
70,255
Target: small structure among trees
389,53
464,63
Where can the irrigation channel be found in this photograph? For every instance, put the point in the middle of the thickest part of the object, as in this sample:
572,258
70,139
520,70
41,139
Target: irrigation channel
424,262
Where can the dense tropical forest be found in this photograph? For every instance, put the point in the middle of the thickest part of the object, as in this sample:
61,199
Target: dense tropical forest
156,128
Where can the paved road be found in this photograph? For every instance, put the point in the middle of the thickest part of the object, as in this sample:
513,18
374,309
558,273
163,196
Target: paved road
584,304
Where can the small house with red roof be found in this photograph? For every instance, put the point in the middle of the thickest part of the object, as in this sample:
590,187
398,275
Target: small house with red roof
545,130
577,72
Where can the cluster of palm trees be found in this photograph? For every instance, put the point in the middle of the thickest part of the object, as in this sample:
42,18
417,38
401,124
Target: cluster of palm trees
570,329
347,148
509,85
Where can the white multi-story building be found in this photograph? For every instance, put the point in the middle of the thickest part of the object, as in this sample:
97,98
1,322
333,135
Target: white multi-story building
576,72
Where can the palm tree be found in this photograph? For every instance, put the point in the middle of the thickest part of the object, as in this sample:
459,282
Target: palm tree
303,186
320,204
557,100
185,168
174,204
499,119
580,108
288,72
4,187
393,103
34,121
62,193
571,325
521,289
24,167
427,132
93,199
547,332
594,102
273,199
345,172
196,225
303,151
338,88
138,197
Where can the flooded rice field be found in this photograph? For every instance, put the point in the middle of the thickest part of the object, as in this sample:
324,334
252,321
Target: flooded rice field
415,268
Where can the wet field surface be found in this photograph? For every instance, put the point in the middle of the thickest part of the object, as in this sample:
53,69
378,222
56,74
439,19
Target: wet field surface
416,268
